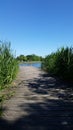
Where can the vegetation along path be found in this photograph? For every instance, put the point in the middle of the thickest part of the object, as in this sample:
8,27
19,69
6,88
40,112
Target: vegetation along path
41,102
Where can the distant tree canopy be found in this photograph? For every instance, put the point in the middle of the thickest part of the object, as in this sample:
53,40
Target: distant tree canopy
22,58
32,57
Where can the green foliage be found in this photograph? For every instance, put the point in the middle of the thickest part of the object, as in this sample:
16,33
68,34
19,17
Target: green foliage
49,62
8,65
32,57
60,63
8,69
22,58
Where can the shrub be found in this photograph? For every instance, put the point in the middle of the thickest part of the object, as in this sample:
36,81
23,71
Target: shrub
8,65
60,63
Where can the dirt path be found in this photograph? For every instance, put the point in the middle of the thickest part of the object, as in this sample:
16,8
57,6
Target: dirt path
41,102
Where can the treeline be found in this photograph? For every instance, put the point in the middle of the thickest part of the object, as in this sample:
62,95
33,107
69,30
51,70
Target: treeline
60,63
32,57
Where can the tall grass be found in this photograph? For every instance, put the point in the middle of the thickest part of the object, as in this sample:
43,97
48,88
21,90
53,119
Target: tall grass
60,63
8,69
8,65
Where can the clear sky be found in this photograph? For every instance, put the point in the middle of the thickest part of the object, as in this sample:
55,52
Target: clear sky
36,26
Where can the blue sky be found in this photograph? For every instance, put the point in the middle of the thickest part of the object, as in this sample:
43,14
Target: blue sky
36,26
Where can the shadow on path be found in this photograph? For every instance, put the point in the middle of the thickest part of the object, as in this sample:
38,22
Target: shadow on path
50,114
47,85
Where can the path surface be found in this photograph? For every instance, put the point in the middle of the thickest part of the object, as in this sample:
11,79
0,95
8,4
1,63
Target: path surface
41,102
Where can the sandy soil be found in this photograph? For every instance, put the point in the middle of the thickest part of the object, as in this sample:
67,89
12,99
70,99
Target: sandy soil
41,102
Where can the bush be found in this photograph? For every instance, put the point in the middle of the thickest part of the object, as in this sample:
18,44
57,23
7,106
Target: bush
8,65
60,63
49,63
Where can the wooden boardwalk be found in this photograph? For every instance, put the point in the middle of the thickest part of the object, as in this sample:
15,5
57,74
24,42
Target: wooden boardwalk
41,102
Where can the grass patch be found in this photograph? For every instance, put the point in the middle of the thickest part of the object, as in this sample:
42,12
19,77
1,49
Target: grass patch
60,63
8,69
